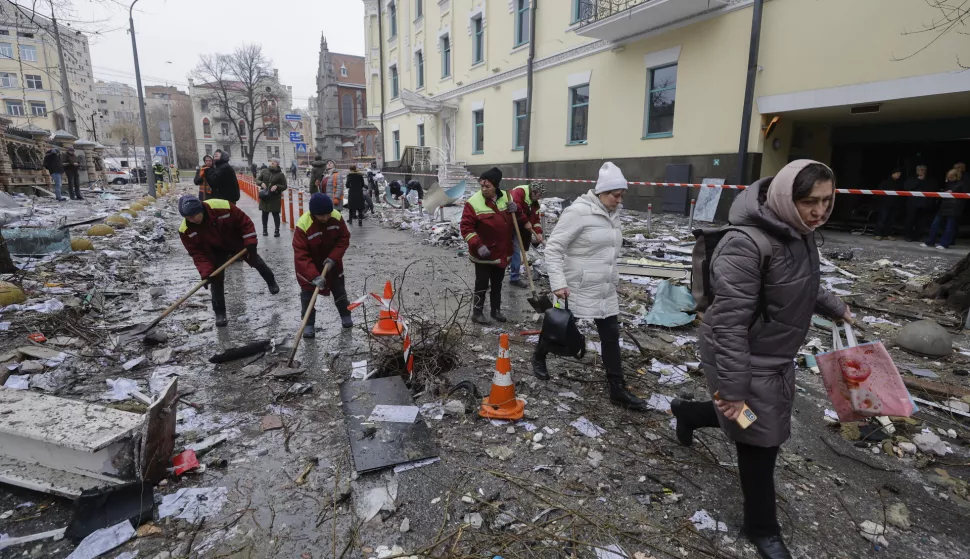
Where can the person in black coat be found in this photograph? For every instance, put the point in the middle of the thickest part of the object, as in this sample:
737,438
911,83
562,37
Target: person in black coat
222,178
918,207
415,185
52,162
889,205
355,195
950,211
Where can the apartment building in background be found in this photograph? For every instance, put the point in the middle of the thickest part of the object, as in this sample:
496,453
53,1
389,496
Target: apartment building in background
658,87
30,72
117,116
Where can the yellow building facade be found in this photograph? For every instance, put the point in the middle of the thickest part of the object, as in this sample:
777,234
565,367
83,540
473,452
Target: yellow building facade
661,83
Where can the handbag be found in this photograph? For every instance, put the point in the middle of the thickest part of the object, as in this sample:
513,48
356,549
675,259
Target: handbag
264,194
560,333
861,380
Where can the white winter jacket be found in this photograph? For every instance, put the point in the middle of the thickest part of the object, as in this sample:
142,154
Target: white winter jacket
581,254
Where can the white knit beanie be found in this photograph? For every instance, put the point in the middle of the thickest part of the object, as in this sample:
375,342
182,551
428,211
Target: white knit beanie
611,178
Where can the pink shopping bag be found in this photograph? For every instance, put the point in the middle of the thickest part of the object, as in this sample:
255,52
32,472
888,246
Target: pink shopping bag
862,381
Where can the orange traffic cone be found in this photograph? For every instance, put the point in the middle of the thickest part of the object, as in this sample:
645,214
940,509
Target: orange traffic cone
387,324
501,403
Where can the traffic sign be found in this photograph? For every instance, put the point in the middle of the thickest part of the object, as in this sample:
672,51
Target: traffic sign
161,151
296,137
293,117
301,148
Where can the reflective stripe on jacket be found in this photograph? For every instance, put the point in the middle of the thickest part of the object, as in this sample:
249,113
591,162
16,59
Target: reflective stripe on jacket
487,223
314,242
225,228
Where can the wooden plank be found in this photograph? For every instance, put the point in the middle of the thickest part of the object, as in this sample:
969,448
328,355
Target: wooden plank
158,435
936,388
10,542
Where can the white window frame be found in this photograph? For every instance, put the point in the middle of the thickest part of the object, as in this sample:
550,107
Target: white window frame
521,27
394,76
392,19
34,105
421,134
28,49
396,139
445,55
418,9
419,69
8,103
36,78
572,107
478,148
518,121
478,39
8,79
6,50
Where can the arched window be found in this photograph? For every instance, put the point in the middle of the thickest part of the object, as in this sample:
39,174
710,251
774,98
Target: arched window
347,111
369,145
242,127
206,127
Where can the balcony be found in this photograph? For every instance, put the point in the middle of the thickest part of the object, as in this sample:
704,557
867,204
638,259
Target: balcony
613,20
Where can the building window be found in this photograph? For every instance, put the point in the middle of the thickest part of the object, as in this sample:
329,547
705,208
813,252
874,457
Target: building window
521,127
272,133
397,145
33,81
38,108
208,149
347,111
4,32
6,50
478,40
445,56
583,9
15,108
478,131
421,135
662,92
241,108
578,114
418,9
369,145
225,128
276,151
242,129
394,88
392,18
25,35
8,80
521,22
243,152
204,105
206,127
419,68
269,152
28,53
343,70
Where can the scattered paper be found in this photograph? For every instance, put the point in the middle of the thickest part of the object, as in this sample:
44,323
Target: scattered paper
359,370
17,382
920,372
702,520
194,503
47,307
660,402
102,541
587,427
610,552
670,375
394,414
433,410
877,320
133,363
120,389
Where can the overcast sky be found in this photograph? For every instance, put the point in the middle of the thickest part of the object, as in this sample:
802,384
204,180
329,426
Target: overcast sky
173,33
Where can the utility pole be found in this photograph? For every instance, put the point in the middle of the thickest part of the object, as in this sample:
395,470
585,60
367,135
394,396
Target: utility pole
94,129
380,38
171,130
141,102
65,84
749,84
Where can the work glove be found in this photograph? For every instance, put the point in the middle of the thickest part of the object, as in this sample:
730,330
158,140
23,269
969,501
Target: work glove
251,249
512,207
483,252
320,282
331,261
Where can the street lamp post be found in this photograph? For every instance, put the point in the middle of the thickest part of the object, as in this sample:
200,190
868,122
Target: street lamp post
141,101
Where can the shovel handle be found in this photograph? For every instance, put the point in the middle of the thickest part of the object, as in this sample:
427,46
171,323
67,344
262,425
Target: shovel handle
197,287
306,318
525,257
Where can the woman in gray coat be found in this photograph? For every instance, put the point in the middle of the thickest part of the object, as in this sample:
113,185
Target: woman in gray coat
755,326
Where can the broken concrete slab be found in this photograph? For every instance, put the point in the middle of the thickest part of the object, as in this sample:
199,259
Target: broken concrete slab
925,337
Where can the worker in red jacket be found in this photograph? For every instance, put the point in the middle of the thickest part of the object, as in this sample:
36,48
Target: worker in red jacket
526,198
213,232
321,237
486,225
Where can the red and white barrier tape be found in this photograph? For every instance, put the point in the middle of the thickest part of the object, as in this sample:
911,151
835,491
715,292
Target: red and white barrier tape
903,193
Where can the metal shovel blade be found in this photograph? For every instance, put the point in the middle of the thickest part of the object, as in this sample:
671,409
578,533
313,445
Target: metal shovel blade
541,303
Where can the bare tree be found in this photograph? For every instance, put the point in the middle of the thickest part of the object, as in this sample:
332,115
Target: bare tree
243,91
951,16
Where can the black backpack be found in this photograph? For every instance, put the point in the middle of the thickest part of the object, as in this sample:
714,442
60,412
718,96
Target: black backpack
707,240
560,334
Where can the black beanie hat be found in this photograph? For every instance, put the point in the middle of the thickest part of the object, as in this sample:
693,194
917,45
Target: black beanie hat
493,175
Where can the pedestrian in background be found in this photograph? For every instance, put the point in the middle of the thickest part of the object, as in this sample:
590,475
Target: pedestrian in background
318,169
415,185
486,225
321,237
52,162
222,178
355,195
581,258
950,211
917,208
526,198
272,180
889,205
200,180
254,170
72,171
293,170
755,326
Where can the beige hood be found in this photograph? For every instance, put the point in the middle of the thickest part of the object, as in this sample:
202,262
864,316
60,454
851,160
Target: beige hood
780,196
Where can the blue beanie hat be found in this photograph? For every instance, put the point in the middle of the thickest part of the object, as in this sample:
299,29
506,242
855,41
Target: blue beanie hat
190,205
320,204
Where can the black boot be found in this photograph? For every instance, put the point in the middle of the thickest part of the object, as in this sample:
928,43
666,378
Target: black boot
478,317
498,316
265,232
771,547
221,320
621,396
308,332
277,233
685,430
360,223
539,366
273,287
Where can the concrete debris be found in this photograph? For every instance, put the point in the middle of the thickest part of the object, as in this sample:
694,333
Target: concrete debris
499,452
405,526
163,356
874,533
930,443
925,337
898,515
908,448
377,499
474,520
595,458
702,520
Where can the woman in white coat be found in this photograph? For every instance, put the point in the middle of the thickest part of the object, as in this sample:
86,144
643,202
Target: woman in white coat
581,257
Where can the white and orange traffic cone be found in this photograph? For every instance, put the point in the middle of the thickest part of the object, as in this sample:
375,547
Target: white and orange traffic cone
501,403
387,323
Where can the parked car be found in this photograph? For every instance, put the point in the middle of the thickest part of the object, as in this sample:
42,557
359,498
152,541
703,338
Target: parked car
137,175
115,175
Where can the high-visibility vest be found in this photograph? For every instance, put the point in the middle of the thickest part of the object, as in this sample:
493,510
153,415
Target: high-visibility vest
477,202
215,204
528,193
306,220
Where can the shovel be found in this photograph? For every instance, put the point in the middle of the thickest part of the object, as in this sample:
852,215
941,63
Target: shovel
540,304
139,330
306,318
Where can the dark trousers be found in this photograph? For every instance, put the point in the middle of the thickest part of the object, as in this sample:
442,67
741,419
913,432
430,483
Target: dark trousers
916,211
949,225
276,220
486,275
356,214
756,469
609,331
887,215
73,183
369,202
217,284
339,292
